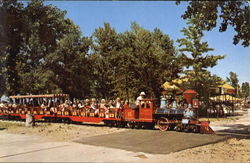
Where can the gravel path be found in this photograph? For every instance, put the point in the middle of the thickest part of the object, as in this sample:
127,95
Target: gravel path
240,126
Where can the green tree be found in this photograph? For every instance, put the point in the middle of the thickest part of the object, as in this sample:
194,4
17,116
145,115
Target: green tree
104,49
245,89
146,60
33,33
233,80
126,79
69,63
195,56
45,26
137,60
232,13
11,32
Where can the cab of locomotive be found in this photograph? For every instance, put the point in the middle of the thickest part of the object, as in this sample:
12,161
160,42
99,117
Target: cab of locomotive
144,111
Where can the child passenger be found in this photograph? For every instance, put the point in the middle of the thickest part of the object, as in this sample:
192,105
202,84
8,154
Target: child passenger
94,106
104,106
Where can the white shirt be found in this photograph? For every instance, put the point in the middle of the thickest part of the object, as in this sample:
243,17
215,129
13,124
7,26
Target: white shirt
118,105
138,100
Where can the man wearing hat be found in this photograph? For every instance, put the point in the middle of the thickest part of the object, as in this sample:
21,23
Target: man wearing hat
189,112
141,97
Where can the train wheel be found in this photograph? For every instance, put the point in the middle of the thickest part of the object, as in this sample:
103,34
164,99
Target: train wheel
172,126
196,129
163,124
131,125
143,126
178,128
138,125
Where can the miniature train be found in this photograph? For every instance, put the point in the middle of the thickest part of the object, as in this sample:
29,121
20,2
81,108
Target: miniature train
146,115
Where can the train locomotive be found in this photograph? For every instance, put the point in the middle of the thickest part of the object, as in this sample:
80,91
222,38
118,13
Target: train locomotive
147,115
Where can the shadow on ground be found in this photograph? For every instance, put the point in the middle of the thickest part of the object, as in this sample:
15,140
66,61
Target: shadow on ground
235,130
152,141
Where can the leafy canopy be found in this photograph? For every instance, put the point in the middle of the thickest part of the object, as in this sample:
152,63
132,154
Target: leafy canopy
231,13
196,59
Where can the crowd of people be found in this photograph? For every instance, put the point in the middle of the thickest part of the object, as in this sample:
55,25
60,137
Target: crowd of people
174,106
77,107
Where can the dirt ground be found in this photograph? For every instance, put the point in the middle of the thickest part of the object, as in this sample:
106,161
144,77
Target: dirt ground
58,131
231,150
222,149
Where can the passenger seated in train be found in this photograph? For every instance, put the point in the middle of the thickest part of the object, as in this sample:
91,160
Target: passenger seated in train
181,106
86,103
2,105
126,102
9,105
66,103
94,106
104,106
174,105
118,105
74,105
80,105
122,102
86,106
43,106
53,110
163,104
14,105
63,107
188,113
111,104
139,98
117,102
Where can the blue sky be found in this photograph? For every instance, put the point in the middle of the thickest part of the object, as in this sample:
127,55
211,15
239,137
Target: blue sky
163,15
